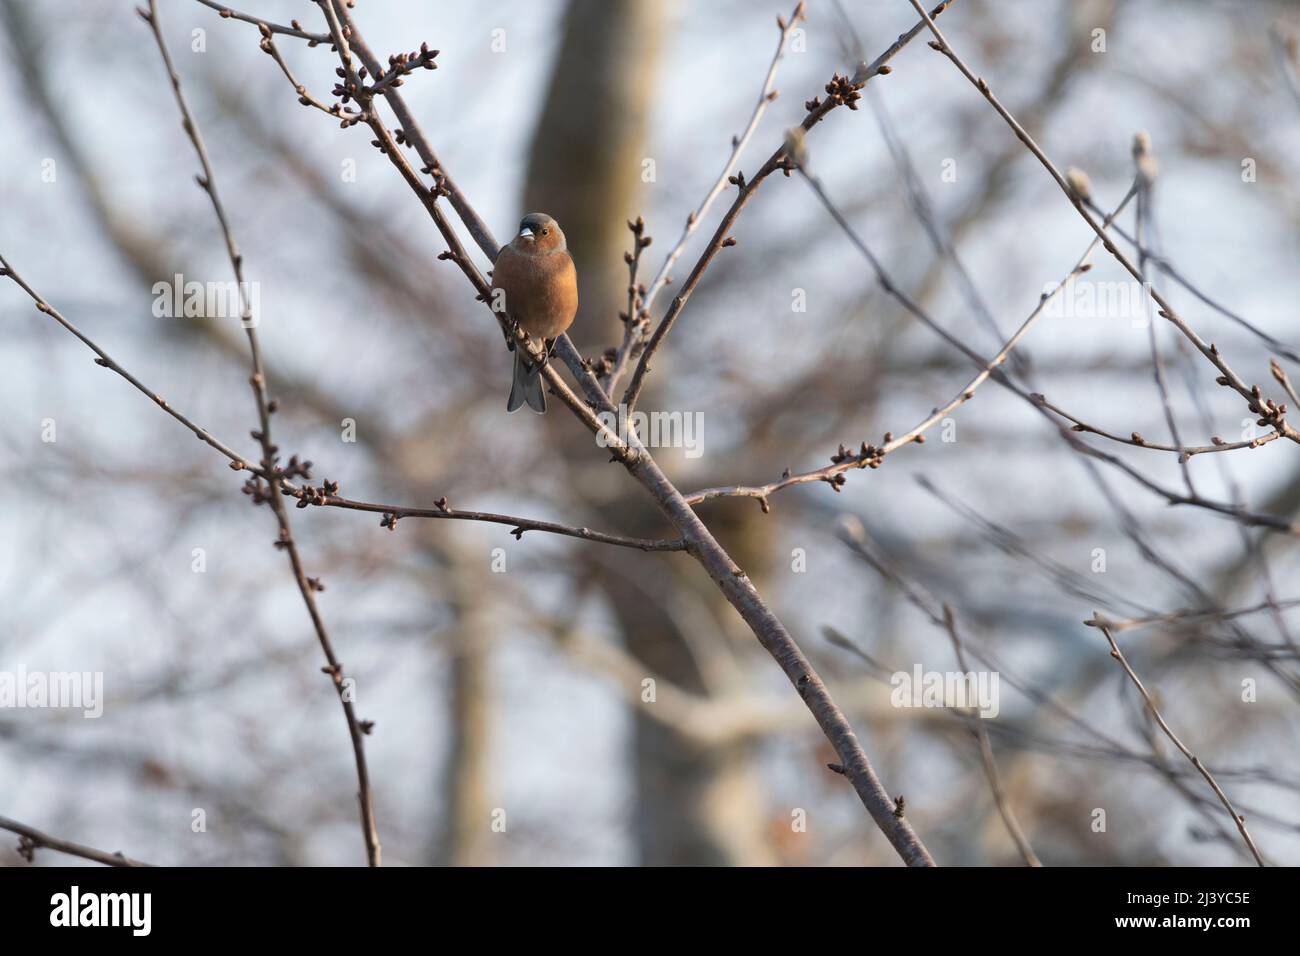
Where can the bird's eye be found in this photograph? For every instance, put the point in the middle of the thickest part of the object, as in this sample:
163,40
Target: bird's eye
546,232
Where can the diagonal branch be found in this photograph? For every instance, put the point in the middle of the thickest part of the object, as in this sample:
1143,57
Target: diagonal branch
104,360
729,578
1101,623
30,840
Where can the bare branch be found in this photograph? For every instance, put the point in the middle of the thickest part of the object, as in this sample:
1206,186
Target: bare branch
1269,412
291,31
840,91
517,525
106,361
30,840
854,535
275,475
730,579
1137,441
1240,821
738,144
636,320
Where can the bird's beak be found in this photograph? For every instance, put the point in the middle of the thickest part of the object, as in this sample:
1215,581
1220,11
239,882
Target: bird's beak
527,233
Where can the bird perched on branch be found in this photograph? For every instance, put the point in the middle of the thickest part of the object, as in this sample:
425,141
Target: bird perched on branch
534,282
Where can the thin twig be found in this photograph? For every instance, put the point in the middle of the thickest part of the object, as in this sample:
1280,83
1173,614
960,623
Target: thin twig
403,65
106,361
976,724
240,462
292,31
474,223
517,525
1197,614
854,535
1145,162
738,144
30,840
1166,266
840,91
636,319
346,117
867,454
1204,771
1269,412
1137,441
1284,380
257,381
871,456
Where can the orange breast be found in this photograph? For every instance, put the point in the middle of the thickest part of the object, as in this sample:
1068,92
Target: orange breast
540,291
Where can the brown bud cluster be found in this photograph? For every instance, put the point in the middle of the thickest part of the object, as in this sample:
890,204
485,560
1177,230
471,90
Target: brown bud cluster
402,63
841,92
317,496
867,456
1270,413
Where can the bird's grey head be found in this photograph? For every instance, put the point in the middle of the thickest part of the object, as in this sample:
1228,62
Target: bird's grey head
541,231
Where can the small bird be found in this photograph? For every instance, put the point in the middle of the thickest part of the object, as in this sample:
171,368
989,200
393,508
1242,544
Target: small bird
535,283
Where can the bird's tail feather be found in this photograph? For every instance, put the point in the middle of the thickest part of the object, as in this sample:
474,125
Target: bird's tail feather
526,386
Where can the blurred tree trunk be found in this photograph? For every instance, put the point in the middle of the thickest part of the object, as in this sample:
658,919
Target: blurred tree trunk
465,837
585,162
694,805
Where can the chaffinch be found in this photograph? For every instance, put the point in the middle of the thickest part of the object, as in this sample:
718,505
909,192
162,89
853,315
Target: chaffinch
535,283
